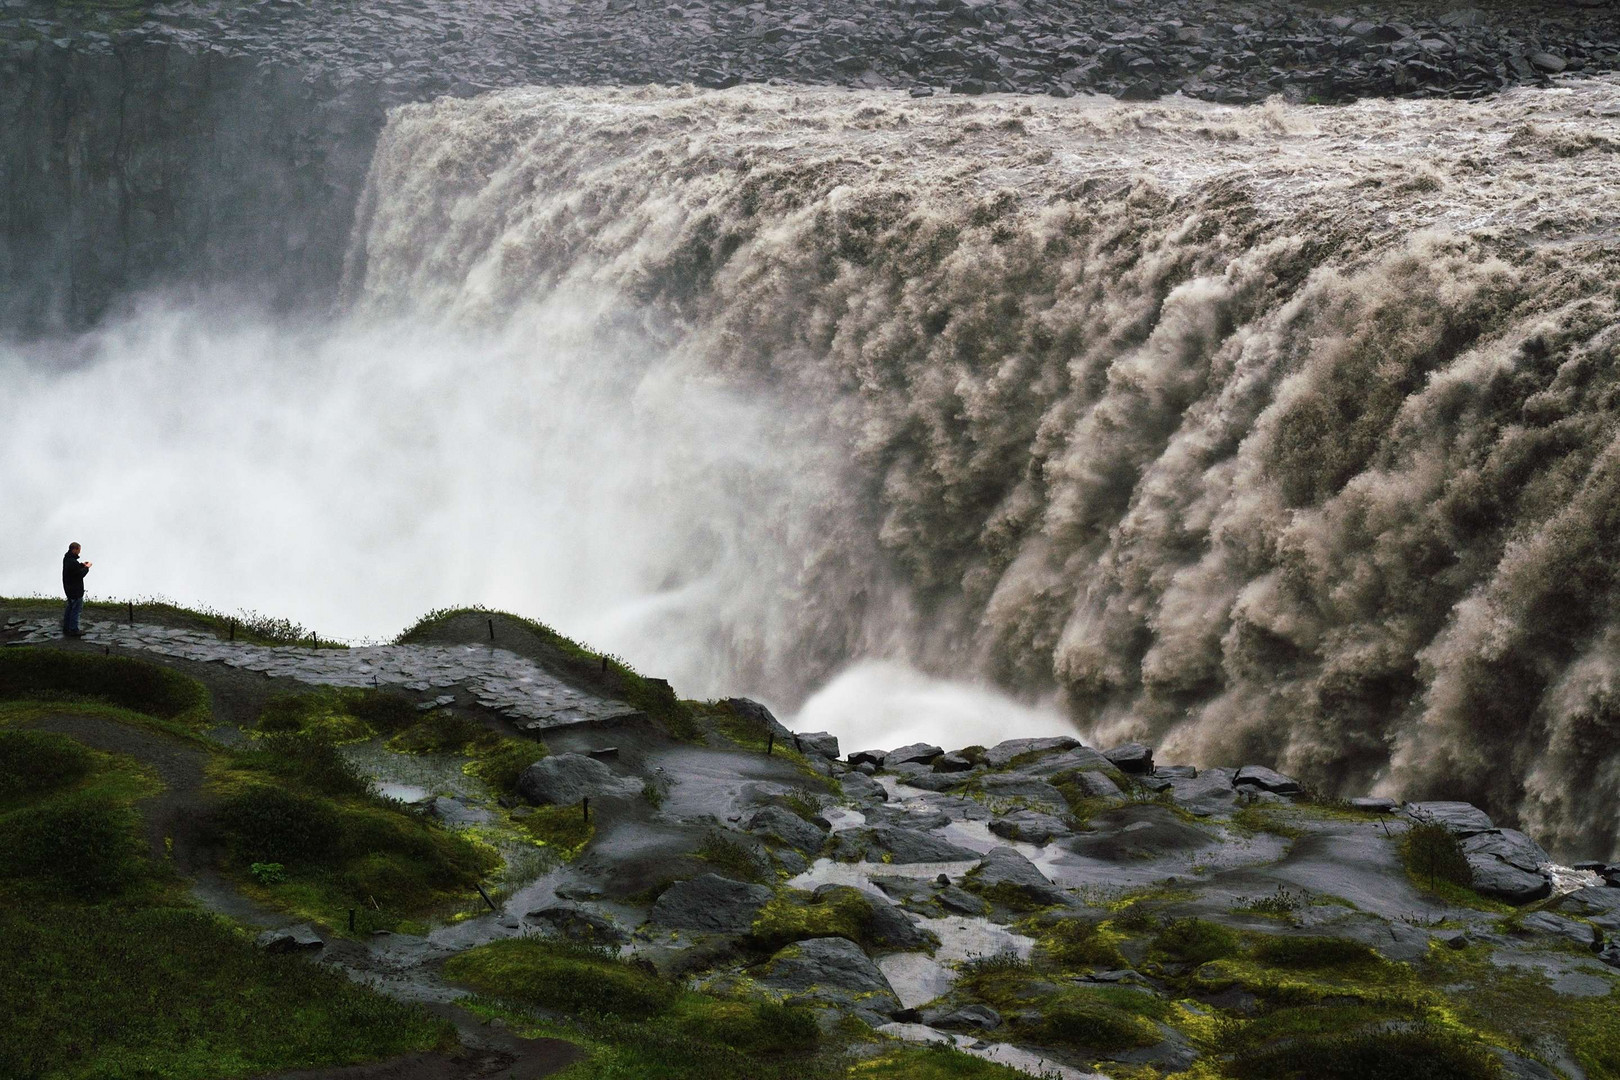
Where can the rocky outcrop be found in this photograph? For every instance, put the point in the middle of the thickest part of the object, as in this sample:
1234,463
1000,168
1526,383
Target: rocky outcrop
711,903
565,779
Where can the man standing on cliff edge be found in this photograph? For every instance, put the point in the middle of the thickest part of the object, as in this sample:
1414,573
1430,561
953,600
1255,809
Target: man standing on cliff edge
73,572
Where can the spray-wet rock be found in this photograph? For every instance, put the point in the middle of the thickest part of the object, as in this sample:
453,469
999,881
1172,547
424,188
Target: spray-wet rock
1464,819
1002,754
832,971
1258,776
565,779
1133,758
888,844
711,903
785,827
1004,875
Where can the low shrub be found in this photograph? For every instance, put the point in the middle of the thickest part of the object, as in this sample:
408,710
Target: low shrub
1079,943
1434,856
731,857
264,823
1312,952
563,977
754,1027
308,761
87,848
561,828
792,916
36,763
441,732
502,764
1094,1025
131,684
1414,1052
1194,941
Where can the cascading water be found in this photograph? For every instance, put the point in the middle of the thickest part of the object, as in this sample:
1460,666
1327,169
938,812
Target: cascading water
1282,434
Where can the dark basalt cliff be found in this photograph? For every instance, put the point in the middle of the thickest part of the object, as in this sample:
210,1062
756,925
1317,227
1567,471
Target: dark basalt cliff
224,145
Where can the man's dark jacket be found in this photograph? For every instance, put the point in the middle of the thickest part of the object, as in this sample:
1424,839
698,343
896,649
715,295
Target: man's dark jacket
73,572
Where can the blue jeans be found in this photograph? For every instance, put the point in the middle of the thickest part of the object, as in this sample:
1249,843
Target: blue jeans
70,617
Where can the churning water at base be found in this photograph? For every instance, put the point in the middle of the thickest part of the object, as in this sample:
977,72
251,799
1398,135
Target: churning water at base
1280,434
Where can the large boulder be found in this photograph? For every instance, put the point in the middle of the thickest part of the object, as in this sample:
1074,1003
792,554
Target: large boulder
1503,881
1597,903
1511,846
1029,826
1004,875
1029,791
709,902
1098,785
1209,793
819,744
862,788
579,923
1258,776
893,845
785,827
1134,758
831,971
1002,754
916,753
565,779
874,758
758,715
1464,819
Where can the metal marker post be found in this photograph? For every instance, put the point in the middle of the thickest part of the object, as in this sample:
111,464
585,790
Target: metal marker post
492,629
585,808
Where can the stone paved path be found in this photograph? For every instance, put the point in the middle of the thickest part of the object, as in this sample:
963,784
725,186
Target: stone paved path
498,679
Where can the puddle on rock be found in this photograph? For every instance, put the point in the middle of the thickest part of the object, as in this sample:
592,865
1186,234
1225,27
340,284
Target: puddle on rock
842,817
405,793
436,774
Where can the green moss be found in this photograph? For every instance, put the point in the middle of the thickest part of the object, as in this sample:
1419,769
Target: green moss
563,829
500,765
792,916
293,799
1412,1053
930,1063
1077,944
731,858
36,763
753,1027
55,674
1313,952
1269,818
562,977
81,982
1088,1021
1194,941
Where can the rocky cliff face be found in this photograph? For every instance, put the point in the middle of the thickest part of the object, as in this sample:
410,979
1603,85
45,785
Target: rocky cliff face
156,164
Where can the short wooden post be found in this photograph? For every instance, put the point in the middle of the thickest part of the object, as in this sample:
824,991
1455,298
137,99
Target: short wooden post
604,665
233,629
485,895
585,808
351,920
492,629
132,613
770,742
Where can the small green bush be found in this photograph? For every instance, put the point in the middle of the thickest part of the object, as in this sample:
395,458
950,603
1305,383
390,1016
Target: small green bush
88,848
441,732
36,763
1094,1025
1418,1052
1433,854
761,1027
131,684
1079,943
1312,952
263,823
562,976
793,916
1194,941
309,761
731,857
501,765
268,873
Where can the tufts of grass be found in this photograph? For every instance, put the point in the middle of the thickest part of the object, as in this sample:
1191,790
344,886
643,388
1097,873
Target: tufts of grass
1281,904
936,1062
1194,941
55,674
1078,944
293,799
634,1023
793,916
1416,1052
441,732
732,858
1434,857
1313,952
36,763
1089,1021
500,765
562,829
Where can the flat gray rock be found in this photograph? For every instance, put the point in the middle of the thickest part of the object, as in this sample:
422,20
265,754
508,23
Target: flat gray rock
579,923
1546,922
1504,881
961,902
1598,903
832,971
1176,772
290,939
868,757
1266,780
1029,826
1001,755
1374,804
1074,759
973,1017
785,827
894,845
565,779
1464,819
709,902
1511,846
1031,792
953,763
456,812
1005,868
918,753
1099,785
1133,758
819,743
858,787
1208,794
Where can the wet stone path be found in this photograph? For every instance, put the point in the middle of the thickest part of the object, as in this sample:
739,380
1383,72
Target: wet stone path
495,678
